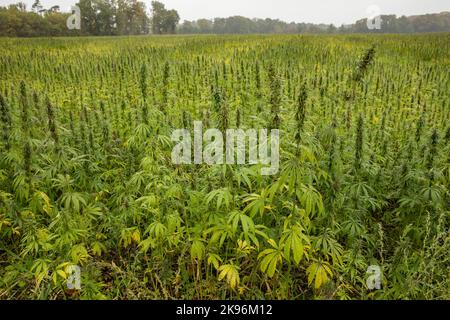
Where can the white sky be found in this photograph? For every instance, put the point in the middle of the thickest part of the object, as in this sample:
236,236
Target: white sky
315,11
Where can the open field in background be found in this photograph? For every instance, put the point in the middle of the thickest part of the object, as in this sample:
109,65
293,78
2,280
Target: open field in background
86,176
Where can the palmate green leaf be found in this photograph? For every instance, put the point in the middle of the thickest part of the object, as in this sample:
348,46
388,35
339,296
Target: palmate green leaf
270,258
269,261
329,246
197,250
20,187
250,231
40,269
63,182
248,226
292,170
220,233
353,227
258,203
156,230
259,230
175,191
40,265
11,157
243,175
138,180
293,240
164,141
148,202
432,194
246,222
234,219
73,201
360,190
92,211
148,164
307,155
409,203
146,244
142,131
174,222
311,200
69,237
223,198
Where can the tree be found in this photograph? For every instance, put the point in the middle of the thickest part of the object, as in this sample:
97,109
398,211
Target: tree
21,6
88,16
37,6
158,16
170,21
205,26
123,14
331,29
54,9
105,18
139,19
188,27
163,21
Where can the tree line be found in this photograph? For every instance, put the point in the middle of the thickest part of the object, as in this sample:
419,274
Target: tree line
98,17
130,17
389,24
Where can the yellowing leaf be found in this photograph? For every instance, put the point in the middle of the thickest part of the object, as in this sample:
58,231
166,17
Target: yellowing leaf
231,273
319,272
62,274
136,236
197,250
215,260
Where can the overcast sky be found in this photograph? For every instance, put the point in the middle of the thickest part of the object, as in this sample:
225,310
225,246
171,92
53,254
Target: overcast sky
316,11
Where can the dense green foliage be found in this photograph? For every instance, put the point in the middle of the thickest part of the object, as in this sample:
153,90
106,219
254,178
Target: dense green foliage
86,176
439,22
97,17
129,17
16,21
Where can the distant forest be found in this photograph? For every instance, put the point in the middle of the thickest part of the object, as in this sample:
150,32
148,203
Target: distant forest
130,17
439,22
